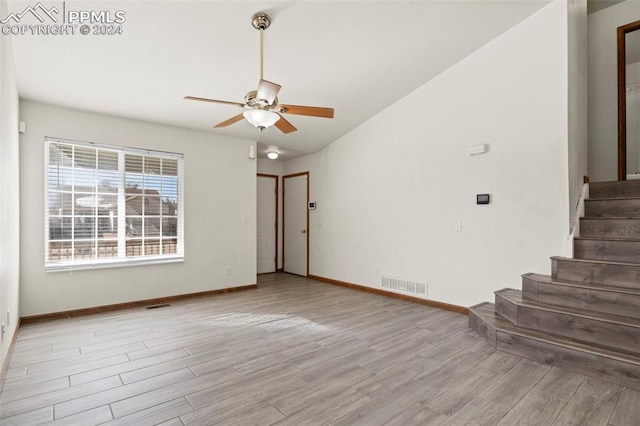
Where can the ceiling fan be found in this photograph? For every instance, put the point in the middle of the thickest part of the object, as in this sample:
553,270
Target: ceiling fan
261,106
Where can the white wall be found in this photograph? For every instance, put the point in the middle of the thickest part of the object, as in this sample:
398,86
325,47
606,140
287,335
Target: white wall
270,167
390,192
9,194
220,189
275,167
578,98
603,87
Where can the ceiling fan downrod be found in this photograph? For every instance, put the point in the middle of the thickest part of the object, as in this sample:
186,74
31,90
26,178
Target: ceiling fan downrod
261,22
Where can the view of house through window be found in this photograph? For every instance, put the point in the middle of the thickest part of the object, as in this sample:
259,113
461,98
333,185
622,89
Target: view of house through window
108,204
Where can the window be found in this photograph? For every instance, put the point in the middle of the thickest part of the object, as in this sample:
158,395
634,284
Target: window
108,205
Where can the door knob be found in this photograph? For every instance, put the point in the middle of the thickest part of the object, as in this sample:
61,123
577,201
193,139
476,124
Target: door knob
304,231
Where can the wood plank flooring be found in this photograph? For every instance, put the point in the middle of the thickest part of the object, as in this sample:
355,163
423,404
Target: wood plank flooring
293,352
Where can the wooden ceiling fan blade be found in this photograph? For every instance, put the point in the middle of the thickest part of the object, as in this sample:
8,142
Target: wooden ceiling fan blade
285,126
267,91
230,121
307,110
215,101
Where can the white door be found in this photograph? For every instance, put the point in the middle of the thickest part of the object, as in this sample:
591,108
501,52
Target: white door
266,222
295,224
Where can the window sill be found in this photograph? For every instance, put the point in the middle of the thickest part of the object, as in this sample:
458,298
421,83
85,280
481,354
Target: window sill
83,266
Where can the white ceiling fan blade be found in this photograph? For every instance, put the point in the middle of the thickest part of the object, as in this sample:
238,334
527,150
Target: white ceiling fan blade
267,91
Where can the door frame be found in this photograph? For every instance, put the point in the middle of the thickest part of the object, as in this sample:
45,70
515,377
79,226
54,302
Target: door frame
284,209
622,96
276,177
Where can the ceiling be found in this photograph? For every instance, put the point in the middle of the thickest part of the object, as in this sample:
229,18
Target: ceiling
594,6
356,56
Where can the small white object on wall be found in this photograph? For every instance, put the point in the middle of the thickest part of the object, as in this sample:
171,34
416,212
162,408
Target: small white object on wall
22,127
252,152
478,149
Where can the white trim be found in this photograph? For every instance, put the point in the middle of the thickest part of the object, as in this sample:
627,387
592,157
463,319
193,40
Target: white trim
122,208
129,150
574,230
180,244
118,263
46,202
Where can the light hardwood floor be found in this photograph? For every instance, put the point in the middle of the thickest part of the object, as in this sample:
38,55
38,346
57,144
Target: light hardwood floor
296,352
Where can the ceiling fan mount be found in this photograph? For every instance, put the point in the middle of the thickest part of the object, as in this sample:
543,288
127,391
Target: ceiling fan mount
260,21
262,108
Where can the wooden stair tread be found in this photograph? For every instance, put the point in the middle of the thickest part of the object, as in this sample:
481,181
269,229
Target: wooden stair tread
515,296
603,262
614,189
486,311
607,238
612,199
575,284
611,217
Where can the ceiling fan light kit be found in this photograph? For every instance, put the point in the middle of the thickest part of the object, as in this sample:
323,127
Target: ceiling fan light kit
262,107
261,118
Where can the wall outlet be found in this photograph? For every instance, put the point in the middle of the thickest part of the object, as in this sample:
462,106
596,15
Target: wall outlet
228,272
458,226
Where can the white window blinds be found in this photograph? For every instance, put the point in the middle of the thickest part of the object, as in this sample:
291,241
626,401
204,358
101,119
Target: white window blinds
110,206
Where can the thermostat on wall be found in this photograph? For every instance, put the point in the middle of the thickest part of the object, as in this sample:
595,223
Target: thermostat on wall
483,198
312,205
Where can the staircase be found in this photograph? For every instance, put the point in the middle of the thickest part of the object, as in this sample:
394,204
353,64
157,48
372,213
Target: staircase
585,317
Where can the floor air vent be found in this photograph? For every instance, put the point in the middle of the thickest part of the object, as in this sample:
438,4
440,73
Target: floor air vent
400,285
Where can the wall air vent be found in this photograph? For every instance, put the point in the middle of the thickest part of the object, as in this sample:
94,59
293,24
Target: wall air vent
401,285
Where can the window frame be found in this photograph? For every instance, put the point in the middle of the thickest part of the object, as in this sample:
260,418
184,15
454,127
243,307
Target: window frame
120,259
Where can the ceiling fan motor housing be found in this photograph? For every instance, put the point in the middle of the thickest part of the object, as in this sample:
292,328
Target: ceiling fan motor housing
252,101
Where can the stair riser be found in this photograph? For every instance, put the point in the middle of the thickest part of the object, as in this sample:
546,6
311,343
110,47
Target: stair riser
588,330
609,369
625,276
616,251
617,228
594,300
507,309
614,189
612,208
482,328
